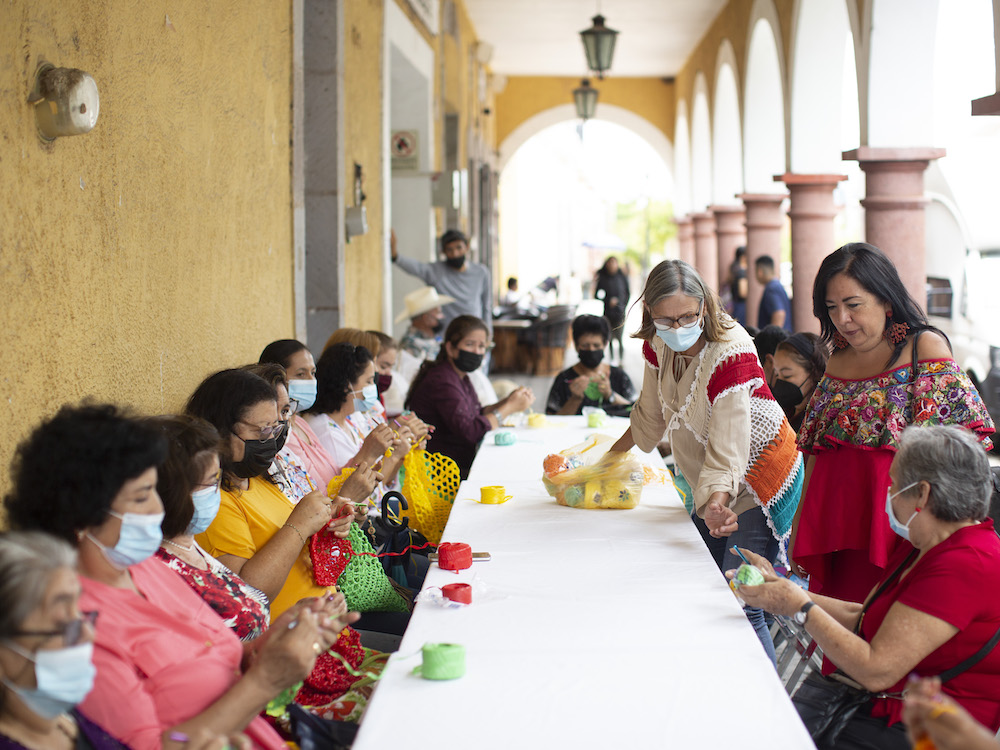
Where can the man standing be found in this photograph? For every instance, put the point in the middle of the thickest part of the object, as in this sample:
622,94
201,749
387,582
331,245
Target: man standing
468,283
775,308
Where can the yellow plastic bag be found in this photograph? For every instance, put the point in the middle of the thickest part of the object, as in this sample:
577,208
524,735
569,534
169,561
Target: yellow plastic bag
589,476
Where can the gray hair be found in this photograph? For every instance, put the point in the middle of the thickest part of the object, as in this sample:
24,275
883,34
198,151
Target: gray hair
953,461
27,561
672,277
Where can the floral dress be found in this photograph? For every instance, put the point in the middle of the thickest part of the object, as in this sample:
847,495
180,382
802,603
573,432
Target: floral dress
852,429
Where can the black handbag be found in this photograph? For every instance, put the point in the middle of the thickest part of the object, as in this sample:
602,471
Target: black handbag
396,540
827,705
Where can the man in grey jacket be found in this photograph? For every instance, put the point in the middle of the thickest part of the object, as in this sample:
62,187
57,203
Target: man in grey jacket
468,283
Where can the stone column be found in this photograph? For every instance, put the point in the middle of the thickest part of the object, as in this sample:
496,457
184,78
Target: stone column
685,238
764,224
894,208
730,233
706,252
812,213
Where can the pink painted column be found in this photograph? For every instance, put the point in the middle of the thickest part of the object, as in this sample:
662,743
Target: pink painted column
685,238
812,213
764,224
730,233
706,254
894,208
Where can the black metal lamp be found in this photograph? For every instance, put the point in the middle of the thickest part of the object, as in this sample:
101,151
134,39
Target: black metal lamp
599,45
585,98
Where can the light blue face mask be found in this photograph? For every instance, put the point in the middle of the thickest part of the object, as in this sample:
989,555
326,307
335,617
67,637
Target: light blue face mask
900,528
681,339
206,508
303,391
370,393
139,538
64,677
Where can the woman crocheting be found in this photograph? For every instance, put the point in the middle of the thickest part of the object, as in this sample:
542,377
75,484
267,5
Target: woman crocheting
704,391
188,485
841,538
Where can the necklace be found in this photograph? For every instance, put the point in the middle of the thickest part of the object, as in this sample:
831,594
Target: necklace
189,548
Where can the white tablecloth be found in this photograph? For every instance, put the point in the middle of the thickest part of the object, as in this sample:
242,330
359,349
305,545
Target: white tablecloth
609,629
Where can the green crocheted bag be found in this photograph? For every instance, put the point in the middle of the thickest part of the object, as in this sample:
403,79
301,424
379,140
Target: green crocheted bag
365,585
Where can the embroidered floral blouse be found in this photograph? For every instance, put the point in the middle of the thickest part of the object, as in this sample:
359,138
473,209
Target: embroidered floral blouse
872,413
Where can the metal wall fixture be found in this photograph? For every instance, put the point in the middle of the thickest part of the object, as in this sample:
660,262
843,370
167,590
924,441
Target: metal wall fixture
66,101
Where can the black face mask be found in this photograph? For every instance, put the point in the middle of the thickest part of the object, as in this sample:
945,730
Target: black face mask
456,263
382,383
468,361
437,327
257,458
591,358
788,395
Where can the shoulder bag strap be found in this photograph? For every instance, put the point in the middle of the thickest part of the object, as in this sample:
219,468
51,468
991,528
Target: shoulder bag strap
913,363
972,660
883,586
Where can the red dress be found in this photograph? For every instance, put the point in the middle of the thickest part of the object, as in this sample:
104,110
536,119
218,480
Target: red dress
954,581
852,428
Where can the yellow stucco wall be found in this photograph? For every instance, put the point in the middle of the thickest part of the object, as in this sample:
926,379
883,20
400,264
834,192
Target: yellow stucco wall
363,63
526,96
138,258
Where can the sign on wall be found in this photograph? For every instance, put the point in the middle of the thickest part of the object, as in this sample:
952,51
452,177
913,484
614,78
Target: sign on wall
404,151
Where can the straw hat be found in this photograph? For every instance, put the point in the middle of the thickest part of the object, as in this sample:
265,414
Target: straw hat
420,301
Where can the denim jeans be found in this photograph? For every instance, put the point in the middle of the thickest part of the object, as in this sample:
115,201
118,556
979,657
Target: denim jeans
754,535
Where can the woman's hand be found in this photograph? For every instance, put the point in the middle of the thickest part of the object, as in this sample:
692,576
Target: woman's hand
313,512
578,385
417,426
519,400
720,519
777,595
343,517
930,714
332,616
360,485
604,383
376,444
288,650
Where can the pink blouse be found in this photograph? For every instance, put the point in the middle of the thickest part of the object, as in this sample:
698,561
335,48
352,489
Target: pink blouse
165,655
318,462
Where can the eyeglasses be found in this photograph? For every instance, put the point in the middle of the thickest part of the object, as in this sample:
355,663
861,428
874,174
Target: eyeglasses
684,321
71,631
290,410
266,433
213,485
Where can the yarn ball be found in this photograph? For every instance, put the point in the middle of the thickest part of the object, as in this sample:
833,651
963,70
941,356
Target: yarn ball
593,391
555,463
748,575
573,495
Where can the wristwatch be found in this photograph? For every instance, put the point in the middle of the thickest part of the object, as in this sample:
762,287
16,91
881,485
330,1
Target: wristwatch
802,614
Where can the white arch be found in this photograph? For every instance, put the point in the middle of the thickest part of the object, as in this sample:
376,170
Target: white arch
682,161
727,141
609,112
764,141
701,146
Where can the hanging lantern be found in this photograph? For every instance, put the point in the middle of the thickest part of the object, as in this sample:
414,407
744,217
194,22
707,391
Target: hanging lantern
585,98
599,46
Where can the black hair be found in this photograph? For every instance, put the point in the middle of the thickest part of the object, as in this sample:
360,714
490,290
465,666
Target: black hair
512,282
809,350
337,369
191,442
584,324
69,470
741,251
453,235
764,261
222,400
281,351
767,340
873,270
457,330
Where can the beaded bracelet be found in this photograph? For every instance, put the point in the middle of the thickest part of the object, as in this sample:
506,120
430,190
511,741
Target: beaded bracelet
295,529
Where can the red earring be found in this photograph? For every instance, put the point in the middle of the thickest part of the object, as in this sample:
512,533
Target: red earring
839,342
894,333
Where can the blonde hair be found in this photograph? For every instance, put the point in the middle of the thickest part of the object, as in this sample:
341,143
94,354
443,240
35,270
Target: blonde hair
354,336
677,277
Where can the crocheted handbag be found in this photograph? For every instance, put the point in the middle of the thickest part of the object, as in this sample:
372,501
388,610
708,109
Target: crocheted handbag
430,484
353,565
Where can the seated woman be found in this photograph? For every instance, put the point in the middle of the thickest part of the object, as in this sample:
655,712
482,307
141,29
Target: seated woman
40,622
392,386
188,485
591,381
442,395
88,476
343,417
799,364
934,608
258,532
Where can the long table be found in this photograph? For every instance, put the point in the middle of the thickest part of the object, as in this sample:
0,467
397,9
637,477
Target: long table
588,628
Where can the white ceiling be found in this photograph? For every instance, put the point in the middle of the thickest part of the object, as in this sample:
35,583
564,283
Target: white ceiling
542,37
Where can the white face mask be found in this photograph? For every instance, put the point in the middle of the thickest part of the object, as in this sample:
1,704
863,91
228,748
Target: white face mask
139,538
64,677
903,529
